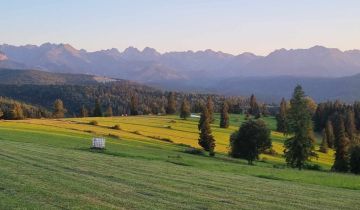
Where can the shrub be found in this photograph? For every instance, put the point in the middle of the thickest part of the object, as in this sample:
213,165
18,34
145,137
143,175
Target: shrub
314,167
116,127
252,139
194,151
94,122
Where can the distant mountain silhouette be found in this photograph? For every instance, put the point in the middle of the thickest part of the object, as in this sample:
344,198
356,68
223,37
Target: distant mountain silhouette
272,76
150,65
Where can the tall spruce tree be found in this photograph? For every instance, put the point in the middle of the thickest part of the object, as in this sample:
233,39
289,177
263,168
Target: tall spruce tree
356,107
324,143
224,115
185,109
255,109
350,126
300,147
330,134
59,110
206,140
210,108
171,104
281,117
355,160
97,110
341,163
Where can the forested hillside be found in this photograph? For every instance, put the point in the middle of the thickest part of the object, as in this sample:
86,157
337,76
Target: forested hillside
21,77
12,109
120,96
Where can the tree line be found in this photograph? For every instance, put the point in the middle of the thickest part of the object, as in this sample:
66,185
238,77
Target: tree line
118,98
296,120
123,98
337,122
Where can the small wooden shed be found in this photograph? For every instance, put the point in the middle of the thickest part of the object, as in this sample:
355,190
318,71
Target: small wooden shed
98,143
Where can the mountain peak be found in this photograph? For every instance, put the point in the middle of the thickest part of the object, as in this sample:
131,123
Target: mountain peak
131,50
150,52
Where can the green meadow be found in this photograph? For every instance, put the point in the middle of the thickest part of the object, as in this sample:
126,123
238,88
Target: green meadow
48,164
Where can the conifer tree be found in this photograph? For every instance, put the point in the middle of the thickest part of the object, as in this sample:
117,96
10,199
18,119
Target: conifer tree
255,109
319,117
330,134
350,127
84,111
203,116
341,163
171,105
356,107
17,112
253,105
224,115
206,140
281,117
59,110
185,109
210,108
355,160
324,143
133,106
97,110
109,112
300,147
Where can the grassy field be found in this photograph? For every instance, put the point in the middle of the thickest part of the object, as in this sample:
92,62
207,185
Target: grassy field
47,164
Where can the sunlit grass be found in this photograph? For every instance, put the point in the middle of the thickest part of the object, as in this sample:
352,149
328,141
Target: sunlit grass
47,164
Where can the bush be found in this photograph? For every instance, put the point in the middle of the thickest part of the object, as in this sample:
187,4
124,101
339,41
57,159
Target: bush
252,139
94,122
116,127
194,151
314,167
355,160
137,132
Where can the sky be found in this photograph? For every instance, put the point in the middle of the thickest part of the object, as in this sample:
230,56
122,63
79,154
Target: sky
232,26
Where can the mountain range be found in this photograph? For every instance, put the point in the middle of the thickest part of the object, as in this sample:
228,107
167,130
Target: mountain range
150,65
206,70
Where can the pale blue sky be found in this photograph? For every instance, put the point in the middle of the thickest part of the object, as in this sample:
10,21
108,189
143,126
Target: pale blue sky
232,26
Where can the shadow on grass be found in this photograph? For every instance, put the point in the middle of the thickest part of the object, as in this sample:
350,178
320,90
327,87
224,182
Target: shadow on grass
271,177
